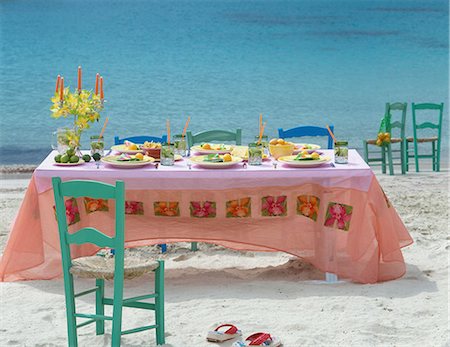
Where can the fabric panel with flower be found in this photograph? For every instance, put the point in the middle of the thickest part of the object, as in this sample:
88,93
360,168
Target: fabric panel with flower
92,205
203,209
72,211
274,206
240,208
338,216
166,208
134,207
308,206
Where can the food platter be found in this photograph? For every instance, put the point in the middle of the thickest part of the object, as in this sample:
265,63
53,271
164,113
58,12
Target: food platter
112,160
200,161
289,160
80,162
310,147
124,149
216,149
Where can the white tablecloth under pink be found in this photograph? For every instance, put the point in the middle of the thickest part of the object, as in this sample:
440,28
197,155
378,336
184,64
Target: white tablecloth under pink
335,217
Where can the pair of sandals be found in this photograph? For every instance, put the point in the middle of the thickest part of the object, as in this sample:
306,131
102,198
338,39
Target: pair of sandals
257,339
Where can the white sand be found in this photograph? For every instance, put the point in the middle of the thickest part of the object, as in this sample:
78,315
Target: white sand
264,292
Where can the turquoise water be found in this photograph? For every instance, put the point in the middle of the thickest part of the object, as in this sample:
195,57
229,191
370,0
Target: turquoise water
221,62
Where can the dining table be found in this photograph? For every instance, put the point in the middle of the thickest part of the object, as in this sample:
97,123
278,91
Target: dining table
335,216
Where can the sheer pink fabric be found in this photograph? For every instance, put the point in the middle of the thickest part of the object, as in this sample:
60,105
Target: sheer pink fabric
351,231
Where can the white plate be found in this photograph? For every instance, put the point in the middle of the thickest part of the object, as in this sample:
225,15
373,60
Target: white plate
298,147
81,161
112,160
199,160
200,150
123,149
289,161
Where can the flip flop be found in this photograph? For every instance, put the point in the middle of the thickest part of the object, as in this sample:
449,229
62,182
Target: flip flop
220,336
259,339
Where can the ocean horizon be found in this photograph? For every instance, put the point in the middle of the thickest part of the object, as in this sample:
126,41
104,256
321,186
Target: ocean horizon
223,63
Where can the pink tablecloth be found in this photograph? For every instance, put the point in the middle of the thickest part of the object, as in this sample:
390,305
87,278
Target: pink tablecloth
336,217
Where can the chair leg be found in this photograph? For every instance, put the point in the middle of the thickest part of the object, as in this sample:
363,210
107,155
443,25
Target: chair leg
163,248
383,160
433,149
99,306
406,155
194,246
70,312
402,156
117,312
416,155
438,157
391,164
366,152
159,303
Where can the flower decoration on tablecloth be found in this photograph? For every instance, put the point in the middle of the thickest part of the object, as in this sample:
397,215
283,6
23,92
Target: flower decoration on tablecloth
92,205
72,212
166,208
308,206
203,209
134,207
239,208
338,216
274,206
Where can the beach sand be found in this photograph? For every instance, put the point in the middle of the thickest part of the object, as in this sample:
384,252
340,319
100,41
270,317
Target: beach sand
272,292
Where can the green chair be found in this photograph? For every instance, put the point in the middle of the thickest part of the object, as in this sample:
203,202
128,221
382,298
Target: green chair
101,268
435,141
398,126
212,135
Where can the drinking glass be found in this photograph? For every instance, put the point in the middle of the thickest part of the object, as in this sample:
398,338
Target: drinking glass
61,139
264,142
255,153
167,154
341,152
180,145
97,145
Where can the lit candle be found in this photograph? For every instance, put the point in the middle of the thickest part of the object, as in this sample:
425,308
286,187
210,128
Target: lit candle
61,90
102,95
58,79
96,83
79,78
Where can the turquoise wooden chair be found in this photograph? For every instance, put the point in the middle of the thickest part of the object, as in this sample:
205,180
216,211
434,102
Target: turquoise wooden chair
435,141
208,136
396,117
142,139
101,268
307,131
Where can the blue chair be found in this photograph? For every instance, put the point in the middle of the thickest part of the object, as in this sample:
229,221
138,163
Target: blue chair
142,139
307,131
139,139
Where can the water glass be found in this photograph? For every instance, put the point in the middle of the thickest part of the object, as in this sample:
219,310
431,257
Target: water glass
97,145
167,154
61,139
341,152
180,145
255,153
264,142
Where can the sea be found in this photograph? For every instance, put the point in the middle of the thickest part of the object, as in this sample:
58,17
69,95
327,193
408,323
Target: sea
221,62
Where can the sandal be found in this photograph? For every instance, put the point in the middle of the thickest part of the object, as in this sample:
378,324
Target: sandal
220,336
259,339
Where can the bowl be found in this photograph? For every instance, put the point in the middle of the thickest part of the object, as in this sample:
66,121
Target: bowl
278,150
153,152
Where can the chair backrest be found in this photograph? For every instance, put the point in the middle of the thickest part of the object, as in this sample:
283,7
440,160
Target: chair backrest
140,139
427,108
307,131
400,122
95,190
214,135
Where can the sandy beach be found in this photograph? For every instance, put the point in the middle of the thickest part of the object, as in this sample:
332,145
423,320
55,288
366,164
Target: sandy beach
272,292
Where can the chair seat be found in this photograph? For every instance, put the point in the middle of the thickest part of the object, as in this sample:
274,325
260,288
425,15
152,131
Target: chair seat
424,139
103,267
393,140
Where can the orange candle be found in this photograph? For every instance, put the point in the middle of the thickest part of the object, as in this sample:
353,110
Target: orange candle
58,80
61,90
96,83
102,95
79,78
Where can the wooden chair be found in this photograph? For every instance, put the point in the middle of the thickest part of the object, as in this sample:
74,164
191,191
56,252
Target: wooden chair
142,139
434,140
208,136
101,268
386,158
307,131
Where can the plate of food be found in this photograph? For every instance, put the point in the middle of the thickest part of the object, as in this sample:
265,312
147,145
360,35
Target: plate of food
212,148
79,162
215,161
310,147
128,161
128,147
69,158
242,151
305,159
